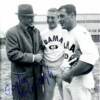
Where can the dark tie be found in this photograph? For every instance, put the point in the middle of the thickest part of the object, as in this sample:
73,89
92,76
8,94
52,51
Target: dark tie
31,32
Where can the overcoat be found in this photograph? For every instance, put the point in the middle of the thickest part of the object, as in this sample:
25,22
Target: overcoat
25,74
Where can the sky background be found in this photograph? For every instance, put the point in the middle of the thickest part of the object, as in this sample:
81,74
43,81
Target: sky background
8,8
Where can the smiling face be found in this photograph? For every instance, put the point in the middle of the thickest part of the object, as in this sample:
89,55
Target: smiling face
65,19
52,19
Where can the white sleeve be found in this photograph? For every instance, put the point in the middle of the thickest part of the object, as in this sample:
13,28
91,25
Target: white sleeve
88,48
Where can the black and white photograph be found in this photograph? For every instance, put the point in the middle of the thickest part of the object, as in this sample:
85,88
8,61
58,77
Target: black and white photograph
49,50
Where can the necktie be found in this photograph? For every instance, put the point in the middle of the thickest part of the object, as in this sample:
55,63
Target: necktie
31,32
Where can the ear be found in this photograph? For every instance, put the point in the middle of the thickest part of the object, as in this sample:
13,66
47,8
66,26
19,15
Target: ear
20,18
72,15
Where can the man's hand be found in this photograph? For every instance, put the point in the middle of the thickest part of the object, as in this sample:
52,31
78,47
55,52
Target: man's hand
65,65
67,76
38,57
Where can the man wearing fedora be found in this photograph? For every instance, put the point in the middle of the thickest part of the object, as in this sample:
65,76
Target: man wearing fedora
23,44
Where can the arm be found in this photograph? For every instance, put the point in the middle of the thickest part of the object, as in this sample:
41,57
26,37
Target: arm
81,68
88,57
89,54
13,50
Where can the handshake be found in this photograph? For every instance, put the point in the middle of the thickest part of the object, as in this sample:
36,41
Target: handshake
38,57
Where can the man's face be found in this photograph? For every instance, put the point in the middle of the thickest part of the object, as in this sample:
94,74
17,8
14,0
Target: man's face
27,20
52,20
64,19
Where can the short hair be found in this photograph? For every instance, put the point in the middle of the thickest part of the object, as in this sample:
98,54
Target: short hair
69,9
53,10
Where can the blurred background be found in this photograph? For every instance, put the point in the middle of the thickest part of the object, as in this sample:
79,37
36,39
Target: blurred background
88,15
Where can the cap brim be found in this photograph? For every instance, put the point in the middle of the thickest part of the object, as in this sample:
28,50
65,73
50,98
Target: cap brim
25,14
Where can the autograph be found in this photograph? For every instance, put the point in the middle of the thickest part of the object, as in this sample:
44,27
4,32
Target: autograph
23,83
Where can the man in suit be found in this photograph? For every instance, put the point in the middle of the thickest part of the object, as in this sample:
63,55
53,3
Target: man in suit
23,44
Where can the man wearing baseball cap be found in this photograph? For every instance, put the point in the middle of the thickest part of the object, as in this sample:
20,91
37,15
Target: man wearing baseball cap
23,44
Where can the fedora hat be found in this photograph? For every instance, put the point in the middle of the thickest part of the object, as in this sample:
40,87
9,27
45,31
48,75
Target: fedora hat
25,10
